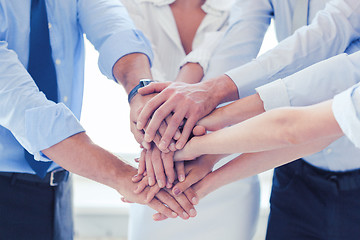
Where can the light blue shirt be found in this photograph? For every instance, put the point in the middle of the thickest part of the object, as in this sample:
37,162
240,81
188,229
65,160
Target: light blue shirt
332,31
27,118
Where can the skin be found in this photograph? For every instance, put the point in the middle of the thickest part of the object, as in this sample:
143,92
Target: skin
80,155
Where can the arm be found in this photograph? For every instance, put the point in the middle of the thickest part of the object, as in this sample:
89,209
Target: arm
329,34
275,129
197,100
250,164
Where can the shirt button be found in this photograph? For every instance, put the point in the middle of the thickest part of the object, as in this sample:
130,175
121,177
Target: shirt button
49,25
58,61
329,150
65,99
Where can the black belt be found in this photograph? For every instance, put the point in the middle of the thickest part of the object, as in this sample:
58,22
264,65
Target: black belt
52,178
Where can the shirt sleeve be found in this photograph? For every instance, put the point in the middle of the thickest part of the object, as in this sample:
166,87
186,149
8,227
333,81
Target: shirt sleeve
249,20
109,28
203,53
317,83
346,109
36,122
329,34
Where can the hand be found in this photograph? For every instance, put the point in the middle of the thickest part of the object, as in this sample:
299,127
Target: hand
136,105
195,171
189,152
188,102
167,205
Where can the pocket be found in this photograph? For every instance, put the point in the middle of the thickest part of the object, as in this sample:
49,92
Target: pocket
283,179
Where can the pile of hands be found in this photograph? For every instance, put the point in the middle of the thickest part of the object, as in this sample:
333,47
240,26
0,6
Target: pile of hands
163,118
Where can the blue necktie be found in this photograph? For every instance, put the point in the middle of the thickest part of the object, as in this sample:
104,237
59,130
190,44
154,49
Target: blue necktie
41,67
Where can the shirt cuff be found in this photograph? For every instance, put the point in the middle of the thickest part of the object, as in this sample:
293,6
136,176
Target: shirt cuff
274,95
47,126
345,108
119,45
247,77
199,56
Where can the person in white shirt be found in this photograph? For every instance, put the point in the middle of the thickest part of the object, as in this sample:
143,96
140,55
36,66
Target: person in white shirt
184,34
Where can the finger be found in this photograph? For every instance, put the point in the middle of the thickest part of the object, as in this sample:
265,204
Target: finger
137,178
158,167
148,110
125,200
157,141
142,166
189,125
153,88
167,199
149,168
138,134
159,217
159,115
172,127
182,186
180,170
141,186
199,130
192,196
152,192
185,204
161,208
177,133
168,162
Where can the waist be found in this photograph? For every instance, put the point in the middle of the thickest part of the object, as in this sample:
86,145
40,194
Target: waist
52,178
344,181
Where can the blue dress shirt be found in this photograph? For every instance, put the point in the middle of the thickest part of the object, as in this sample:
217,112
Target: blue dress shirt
27,118
333,30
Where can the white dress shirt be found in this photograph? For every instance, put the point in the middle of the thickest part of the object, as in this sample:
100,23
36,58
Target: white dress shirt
332,31
155,19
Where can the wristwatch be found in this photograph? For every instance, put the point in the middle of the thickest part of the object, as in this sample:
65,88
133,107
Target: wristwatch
134,91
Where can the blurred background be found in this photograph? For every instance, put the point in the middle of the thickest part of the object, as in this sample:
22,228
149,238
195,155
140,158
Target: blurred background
99,212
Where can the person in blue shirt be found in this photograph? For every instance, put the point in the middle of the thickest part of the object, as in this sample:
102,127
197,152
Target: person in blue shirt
41,88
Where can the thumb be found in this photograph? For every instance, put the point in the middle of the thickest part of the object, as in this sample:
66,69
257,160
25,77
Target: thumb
154,87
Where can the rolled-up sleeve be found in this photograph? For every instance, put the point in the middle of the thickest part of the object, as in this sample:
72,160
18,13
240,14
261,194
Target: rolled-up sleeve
346,109
109,28
36,122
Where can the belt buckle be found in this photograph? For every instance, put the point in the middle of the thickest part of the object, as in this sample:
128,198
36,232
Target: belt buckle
54,183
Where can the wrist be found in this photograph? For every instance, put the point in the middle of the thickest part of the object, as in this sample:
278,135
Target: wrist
223,89
142,83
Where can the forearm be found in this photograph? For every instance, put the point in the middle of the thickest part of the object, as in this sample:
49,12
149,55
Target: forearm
129,69
274,129
80,155
190,73
250,164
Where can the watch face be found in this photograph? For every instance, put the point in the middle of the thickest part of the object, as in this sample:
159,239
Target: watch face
145,82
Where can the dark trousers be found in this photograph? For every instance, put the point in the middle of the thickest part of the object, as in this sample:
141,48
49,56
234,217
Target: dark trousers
309,203
35,210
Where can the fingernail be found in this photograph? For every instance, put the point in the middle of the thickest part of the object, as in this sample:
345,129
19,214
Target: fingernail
176,191
135,176
194,200
181,178
147,138
185,215
192,212
174,214
151,181
168,185
162,145
160,183
172,147
138,125
179,146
